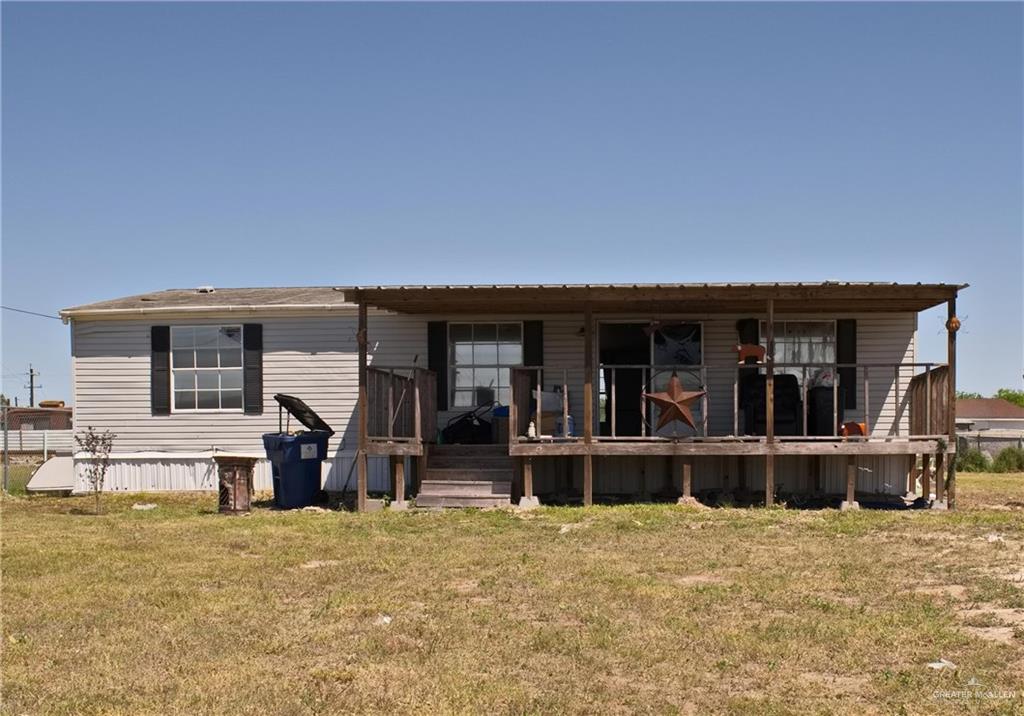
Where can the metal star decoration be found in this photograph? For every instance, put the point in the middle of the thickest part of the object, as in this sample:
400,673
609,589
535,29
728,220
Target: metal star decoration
675,403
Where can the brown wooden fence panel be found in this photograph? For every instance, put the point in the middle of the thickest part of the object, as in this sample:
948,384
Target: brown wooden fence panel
929,417
401,397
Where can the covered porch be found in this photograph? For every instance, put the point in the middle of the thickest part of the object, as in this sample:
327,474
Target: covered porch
764,411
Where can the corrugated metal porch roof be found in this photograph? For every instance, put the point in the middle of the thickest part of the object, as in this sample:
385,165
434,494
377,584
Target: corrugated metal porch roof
826,296
817,297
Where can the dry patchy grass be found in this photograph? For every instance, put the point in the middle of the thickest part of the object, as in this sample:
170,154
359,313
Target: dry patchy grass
641,608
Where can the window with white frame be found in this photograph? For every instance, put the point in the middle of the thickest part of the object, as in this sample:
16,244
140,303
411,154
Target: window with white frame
481,356
206,367
803,342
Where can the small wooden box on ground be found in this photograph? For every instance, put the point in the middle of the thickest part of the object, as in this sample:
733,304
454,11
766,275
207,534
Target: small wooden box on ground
234,474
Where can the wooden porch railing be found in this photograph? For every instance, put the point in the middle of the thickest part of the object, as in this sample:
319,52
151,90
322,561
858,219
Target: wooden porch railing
649,379
904,407
402,404
928,396
915,400
527,389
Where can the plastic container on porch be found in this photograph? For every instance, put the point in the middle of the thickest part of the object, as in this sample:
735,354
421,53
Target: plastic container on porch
295,458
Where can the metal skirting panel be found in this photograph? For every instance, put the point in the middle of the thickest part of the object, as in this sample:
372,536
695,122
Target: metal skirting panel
876,474
185,474
626,475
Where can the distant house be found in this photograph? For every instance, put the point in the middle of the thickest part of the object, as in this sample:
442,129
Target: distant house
988,414
45,430
989,425
39,418
788,387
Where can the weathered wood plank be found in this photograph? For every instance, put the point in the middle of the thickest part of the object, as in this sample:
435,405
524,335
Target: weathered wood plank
364,427
851,479
588,403
398,471
892,447
952,325
769,397
377,449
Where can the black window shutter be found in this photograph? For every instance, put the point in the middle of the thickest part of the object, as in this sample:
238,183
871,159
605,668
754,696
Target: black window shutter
749,331
533,348
160,370
437,359
533,343
252,372
846,352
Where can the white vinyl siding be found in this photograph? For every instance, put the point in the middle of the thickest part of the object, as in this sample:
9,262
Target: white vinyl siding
316,359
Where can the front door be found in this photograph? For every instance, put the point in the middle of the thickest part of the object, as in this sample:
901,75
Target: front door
622,344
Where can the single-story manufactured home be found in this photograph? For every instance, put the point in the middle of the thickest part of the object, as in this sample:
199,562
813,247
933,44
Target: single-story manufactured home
487,394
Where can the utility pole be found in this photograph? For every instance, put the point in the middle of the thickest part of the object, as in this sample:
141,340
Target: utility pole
32,375
7,465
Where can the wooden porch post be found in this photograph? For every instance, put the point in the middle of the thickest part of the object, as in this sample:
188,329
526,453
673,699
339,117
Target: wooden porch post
952,325
687,480
528,477
926,484
398,470
419,469
588,404
912,478
850,503
769,398
420,473
940,477
361,464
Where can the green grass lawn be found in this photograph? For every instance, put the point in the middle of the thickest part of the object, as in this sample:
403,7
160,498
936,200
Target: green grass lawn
18,477
650,608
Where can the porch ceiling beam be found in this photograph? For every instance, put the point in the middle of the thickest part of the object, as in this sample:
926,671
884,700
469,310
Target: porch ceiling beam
427,297
513,305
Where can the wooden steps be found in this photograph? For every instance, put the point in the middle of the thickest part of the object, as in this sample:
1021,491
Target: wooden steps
467,476
476,501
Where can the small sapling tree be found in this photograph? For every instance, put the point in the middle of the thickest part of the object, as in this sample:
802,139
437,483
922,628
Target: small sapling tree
97,445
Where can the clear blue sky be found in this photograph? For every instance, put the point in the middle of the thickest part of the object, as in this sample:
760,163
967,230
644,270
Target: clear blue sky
156,146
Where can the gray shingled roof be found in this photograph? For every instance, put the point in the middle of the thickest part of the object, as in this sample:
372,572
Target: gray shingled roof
186,299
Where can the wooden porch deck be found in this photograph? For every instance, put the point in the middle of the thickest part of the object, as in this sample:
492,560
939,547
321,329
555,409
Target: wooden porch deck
932,431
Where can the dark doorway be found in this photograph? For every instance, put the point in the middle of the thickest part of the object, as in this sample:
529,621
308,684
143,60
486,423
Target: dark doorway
622,344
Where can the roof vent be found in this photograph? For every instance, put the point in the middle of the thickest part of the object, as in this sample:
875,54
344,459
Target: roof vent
205,289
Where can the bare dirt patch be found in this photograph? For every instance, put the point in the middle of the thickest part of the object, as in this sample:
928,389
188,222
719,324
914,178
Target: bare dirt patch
953,591
835,683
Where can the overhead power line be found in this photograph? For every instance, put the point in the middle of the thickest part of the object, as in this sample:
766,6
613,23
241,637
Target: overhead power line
31,313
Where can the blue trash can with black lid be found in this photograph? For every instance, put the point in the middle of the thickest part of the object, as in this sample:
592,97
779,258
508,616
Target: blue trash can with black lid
295,458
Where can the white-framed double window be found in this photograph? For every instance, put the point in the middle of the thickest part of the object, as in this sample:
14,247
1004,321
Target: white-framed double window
481,356
206,368
804,342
